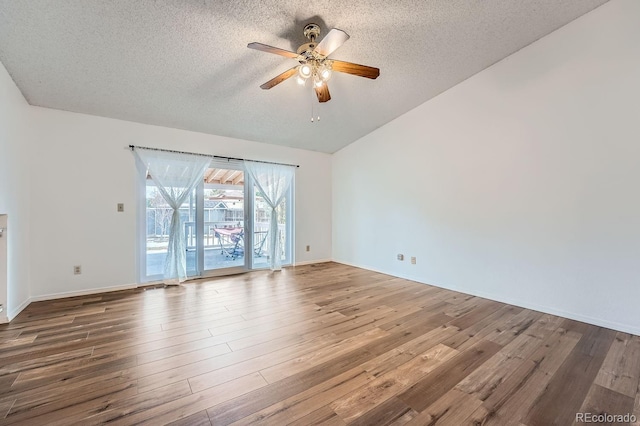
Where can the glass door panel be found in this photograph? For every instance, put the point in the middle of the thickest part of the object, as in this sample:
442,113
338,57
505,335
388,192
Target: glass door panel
188,213
223,227
261,215
158,222
261,239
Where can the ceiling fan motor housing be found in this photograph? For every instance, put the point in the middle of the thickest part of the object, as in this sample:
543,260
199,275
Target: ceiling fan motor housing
306,50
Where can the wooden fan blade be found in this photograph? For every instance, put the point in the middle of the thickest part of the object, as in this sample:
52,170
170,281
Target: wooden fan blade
322,93
355,69
331,42
280,78
271,49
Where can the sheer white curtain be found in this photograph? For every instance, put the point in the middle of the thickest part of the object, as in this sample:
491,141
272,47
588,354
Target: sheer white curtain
175,175
273,180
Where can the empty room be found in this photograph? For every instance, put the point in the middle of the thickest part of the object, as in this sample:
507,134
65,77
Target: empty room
320,213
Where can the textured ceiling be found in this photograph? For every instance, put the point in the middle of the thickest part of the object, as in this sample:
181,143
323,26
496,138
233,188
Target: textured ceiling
185,64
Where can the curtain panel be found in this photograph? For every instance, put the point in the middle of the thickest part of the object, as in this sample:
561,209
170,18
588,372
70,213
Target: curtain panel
273,181
175,175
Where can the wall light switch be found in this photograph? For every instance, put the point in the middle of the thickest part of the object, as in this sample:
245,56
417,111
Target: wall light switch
401,257
413,260
120,207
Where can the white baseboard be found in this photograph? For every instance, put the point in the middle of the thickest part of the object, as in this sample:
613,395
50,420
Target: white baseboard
373,269
82,292
14,312
311,262
600,322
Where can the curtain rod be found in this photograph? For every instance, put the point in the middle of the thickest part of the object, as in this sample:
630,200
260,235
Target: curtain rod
212,156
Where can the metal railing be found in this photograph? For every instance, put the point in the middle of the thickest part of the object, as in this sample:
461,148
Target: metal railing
211,240
209,235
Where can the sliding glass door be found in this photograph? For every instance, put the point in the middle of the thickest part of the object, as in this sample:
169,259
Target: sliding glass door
224,221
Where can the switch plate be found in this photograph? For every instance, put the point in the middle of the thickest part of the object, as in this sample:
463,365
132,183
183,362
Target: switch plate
77,270
308,248
413,260
401,257
120,207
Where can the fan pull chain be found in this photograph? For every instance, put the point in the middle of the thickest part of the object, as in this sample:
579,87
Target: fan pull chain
312,109
313,98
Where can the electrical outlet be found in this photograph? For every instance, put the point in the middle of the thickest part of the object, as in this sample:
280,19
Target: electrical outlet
401,257
308,248
413,260
77,270
120,207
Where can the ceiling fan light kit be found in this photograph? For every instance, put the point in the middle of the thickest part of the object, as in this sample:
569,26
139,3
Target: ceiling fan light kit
313,61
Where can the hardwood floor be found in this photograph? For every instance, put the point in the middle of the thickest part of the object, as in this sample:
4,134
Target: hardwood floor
319,344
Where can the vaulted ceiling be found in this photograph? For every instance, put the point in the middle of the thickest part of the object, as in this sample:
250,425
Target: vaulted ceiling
185,63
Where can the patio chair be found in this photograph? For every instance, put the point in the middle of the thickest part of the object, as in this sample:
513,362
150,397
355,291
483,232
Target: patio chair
233,238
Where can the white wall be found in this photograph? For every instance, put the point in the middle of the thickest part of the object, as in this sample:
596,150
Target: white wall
522,184
14,195
84,169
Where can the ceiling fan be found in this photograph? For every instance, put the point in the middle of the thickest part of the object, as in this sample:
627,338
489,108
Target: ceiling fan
314,64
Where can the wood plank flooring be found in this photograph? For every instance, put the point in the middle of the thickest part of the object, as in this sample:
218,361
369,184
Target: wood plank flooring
319,344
